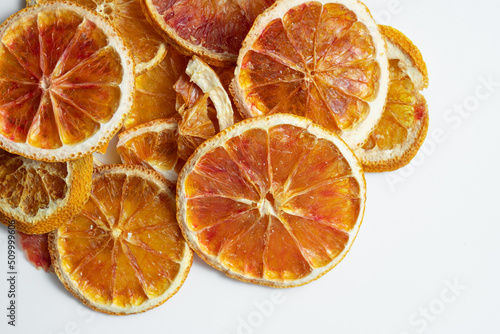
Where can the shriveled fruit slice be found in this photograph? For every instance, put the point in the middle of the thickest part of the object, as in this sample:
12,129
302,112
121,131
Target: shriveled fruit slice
274,200
124,253
155,95
402,129
213,30
66,79
147,46
36,250
41,196
203,104
152,145
325,60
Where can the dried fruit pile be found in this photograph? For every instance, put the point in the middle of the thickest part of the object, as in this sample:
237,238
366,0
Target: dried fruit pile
244,131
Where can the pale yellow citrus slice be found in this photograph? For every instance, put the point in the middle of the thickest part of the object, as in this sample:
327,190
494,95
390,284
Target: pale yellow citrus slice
66,80
402,129
147,46
274,200
41,196
124,253
213,30
325,60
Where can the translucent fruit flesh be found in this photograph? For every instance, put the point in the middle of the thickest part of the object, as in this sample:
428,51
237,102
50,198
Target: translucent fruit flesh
125,246
272,204
154,148
219,26
318,61
404,108
60,84
155,95
127,17
31,187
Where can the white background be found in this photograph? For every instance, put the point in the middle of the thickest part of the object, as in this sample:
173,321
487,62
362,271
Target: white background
427,227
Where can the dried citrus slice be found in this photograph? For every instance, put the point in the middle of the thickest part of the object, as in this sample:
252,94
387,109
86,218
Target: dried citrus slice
404,123
152,145
155,95
124,253
66,81
41,196
203,104
274,200
147,46
325,60
213,30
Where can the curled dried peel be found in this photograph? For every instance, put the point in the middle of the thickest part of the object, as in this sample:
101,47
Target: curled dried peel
208,81
202,102
403,126
41,196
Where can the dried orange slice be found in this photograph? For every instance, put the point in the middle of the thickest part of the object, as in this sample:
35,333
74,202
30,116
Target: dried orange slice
147,46
325,60
152,145
213,30
403,126
66,80
124,253
274,200
41,196
155,95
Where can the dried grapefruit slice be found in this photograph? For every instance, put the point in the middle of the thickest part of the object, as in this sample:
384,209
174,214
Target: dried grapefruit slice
41,196
152,145
274,200
155,95
325,60
402,129
66,81
124,253
147,46
213,30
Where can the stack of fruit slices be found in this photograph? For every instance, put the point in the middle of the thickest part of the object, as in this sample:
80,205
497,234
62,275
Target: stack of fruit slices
269,180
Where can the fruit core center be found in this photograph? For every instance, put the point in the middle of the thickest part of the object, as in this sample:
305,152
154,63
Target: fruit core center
270,199
269,205
45,83
116,233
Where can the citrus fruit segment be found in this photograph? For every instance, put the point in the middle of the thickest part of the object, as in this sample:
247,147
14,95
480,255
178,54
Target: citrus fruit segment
124,252
204,106
213,30
325,60
41,196
152,145
67,80
274,200
147,46
36,250
155,95
403,126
